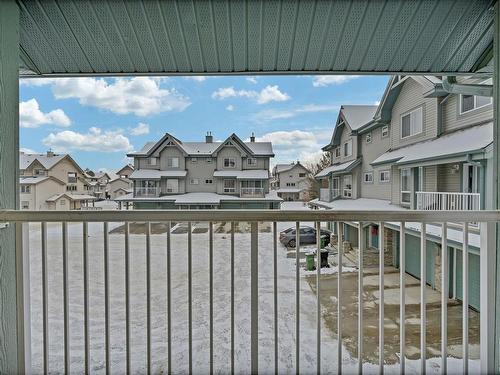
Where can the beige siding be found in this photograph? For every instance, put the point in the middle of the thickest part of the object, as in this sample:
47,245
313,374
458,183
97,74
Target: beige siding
229,152
411,98
430,178
202,171
449,179
171,152
262,163
346,136
453,119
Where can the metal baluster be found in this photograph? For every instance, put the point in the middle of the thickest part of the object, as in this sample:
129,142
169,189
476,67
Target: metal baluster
107,322
211,292
169,302
232,297
318,299
190,302
127,297
339,294
23,296
275,294
444,298
297,298
148,297
254,297
65,260
402,296
423,286
381,245
361,250
465,304
45,299
86,289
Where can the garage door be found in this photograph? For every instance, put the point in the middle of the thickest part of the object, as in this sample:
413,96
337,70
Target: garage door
412,265
474,272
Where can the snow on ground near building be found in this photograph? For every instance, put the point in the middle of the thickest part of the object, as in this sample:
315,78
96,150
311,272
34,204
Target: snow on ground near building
286,303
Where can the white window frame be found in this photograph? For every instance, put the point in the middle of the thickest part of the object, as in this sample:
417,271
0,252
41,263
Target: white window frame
251,161
169,186
337,152
368,137
475,103
151,161
347,192
412,126
25,189
71,179
348,151
385,129
370,180
229,163
302,175
194,181
170,162
382,173
229,189
402,173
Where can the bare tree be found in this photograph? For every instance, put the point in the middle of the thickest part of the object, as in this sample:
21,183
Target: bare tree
315,167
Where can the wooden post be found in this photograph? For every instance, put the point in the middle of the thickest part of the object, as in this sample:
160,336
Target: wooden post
11,295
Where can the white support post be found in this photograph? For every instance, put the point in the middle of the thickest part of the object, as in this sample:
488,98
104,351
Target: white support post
487,263
495,189
12,327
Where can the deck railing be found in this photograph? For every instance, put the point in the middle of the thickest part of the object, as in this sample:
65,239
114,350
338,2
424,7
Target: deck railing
146,191
427,200
324,194
86,236
252,192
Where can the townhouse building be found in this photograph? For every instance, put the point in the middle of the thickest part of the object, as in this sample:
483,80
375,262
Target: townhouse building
291,181
98,183
422,148
231,174
52,182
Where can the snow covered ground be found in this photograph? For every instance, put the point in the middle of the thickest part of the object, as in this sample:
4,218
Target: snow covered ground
286,310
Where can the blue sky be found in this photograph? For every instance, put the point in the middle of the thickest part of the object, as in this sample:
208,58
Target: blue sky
99,120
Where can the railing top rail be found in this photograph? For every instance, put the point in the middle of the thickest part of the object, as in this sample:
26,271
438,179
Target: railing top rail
250,215
446,192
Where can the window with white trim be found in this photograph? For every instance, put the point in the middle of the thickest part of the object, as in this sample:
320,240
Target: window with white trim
172,185
194,181
337,152
411,123
71,177
368,177
229,186
151,161
252,161
385,131
348,148
301,175
173,162
290,184
472,102
368,137
209,181
347,188
229,162
405,185
26,189
385,176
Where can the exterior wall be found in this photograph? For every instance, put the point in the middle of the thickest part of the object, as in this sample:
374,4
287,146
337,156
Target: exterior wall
346,136
60,171
168,152
262,163
117,184
229,152
453,119
292,176
40,193
30,170
369,152
449,180
201,170
411,98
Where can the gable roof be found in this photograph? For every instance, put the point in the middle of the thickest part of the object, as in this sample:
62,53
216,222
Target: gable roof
127,166
357,116
205,148
48,162
34,180
279,168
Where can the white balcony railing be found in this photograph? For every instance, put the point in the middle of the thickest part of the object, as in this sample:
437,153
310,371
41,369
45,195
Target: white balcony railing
146,191
448,201
327,195
252,192
111,284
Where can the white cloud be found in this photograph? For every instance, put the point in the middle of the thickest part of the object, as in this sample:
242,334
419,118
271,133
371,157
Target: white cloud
140,129
321,81
251,79
141,96
94,140
297,144
197,78
377,102
266,95
27,150
279,114
30,116
230,108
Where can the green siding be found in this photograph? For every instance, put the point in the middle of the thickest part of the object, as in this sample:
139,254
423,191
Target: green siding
474,275
145,205
412,264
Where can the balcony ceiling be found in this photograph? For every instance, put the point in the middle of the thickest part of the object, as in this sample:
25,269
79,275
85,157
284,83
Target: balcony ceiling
74,37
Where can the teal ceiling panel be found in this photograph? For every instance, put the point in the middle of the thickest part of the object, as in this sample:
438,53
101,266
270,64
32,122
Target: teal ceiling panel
77,37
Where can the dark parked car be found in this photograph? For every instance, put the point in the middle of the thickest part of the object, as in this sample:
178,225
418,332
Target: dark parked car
307,236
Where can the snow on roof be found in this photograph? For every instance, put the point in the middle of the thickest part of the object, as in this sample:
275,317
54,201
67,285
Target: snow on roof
199,198
284,167
358,115
339,168
470,140
288,190
46,161
155,174
358,204
248,174
73,197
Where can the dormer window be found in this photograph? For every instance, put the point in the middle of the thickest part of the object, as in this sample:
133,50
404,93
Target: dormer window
229,162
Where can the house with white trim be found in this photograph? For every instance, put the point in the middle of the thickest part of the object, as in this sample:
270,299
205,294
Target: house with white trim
231,174
291,181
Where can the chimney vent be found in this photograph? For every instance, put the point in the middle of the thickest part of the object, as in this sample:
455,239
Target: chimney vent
50,153
252,137
209,138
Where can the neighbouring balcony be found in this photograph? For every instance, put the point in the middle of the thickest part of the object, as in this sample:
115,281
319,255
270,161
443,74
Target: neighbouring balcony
130,291
328,195
249,192
448,201
146,191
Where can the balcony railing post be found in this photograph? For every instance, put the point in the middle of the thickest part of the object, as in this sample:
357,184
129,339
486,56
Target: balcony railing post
254,297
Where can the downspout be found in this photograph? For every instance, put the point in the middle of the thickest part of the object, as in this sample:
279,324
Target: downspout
451,86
